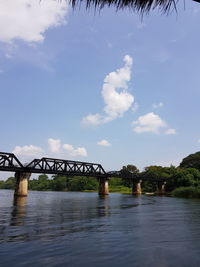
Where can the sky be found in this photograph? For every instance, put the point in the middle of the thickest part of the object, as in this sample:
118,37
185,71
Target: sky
106,87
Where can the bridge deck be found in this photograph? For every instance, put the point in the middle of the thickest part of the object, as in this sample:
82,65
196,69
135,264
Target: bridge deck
9,162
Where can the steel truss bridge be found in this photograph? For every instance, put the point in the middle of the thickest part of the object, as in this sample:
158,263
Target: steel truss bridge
9,162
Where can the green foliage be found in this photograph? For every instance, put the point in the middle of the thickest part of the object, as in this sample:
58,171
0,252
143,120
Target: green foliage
119,189
188,192
8,184
40,184
116,185
183,177
59,183
155,173
126,171
191,161
115,182
82,183
149,186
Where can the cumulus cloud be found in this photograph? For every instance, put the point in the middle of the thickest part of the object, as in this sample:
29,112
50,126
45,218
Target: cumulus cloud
103,142
93,119
159,105
26,152
149,122
170,131
80,151
117,101
29,19
56,148
54,145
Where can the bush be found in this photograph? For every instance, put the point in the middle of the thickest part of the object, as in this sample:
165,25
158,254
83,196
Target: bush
119,189
187,192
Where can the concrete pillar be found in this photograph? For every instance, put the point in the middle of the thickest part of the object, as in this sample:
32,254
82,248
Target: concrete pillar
21,186
161,188
136,189
103,186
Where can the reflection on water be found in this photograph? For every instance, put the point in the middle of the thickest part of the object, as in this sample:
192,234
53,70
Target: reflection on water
19,211
83,229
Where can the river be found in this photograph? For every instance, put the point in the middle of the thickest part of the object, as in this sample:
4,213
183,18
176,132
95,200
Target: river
82,229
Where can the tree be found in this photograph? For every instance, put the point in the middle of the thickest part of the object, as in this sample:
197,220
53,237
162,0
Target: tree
191,161
10,183
128,173
40,184
60,183
79,183
183,178
149,176
142,6
153,172
42,178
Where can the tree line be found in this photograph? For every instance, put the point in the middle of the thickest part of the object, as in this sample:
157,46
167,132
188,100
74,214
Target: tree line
184,179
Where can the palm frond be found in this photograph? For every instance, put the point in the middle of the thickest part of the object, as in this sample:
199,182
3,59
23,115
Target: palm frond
142,6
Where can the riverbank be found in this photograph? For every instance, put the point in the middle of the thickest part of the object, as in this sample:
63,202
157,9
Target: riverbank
186,192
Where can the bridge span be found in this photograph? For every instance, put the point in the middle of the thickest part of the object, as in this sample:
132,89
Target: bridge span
9,162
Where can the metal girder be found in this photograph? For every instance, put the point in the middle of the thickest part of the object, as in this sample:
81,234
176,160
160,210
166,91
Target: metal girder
65,167
9,162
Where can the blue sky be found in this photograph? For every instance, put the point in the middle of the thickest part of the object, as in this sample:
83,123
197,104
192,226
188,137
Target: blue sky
103,87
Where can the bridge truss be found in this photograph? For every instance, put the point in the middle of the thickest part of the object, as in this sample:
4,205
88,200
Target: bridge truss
9,162
65,167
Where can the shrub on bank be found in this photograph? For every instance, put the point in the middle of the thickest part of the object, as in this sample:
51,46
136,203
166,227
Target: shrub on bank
119,189
188,192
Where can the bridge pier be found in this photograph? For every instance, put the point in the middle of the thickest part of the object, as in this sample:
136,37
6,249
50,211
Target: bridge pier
21,186
136,188
103,186
161,188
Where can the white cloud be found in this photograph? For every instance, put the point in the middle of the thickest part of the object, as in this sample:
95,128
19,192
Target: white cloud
26,152
149,122
103,142
159,105
80,151
54,145
93,119
135,107
29,19
170,131
56,148
117,102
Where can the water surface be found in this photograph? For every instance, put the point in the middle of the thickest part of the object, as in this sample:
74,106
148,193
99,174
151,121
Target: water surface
82,229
